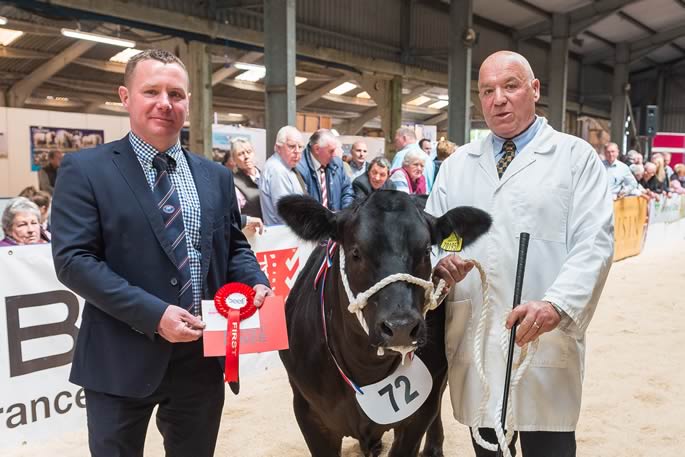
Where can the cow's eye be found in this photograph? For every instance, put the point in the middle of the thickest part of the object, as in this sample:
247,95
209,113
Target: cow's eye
355,253
428,252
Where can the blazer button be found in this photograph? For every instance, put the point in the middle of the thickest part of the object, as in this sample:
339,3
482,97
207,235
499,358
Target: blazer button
174,282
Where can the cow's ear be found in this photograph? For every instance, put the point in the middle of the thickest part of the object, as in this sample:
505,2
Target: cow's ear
467,222
307,218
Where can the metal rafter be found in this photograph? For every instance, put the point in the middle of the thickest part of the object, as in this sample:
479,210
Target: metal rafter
641,47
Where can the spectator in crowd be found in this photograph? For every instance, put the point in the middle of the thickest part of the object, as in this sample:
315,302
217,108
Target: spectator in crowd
279,177
621,180
649,172
426,146
638,171
444,149
634,157
323,173
21,223
667,163
48,174
410,178
28,192
357,164
375,178
228,161
679,174
42,200
571,247
246,179
405,141
658,183
144,245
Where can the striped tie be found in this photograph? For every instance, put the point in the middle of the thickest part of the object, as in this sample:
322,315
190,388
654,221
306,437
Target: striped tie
170,205
322,185
509,148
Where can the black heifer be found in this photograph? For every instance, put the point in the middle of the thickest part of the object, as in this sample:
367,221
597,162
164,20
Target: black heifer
385,234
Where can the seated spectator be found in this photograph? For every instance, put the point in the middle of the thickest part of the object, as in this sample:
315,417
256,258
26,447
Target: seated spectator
246,179
444,149
21,223
409,178
375,178
621,180
42,200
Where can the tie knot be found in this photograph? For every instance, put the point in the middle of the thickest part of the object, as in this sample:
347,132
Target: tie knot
163,162
509,147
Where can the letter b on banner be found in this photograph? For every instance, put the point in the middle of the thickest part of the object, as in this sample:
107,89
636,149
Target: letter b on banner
16,334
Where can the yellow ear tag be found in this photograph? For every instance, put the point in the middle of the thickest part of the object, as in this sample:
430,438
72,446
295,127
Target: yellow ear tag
452,243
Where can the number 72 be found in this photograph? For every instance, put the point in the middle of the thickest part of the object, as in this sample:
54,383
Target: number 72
409,396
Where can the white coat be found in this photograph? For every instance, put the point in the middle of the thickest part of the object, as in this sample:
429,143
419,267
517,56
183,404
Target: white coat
556,189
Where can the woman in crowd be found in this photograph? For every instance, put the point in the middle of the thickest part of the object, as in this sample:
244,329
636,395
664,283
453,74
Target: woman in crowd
659,182
679,174
375,178
246,177
42,200
410,177
21,223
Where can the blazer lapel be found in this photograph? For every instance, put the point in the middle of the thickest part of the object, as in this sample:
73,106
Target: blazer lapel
207,206
126,161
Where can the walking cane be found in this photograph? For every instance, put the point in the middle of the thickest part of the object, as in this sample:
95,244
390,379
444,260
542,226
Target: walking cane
518,286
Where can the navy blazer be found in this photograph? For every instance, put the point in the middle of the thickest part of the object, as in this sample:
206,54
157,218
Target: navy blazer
107,247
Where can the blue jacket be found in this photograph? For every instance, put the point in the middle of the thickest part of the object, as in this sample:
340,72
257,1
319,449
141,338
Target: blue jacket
340,193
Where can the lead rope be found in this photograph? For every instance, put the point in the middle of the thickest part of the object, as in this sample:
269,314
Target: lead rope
519,369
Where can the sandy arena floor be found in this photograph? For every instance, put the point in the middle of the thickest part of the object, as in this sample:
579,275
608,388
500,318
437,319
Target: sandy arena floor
634,383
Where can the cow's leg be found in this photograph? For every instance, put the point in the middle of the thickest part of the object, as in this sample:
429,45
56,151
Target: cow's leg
320,440
372,446
435,436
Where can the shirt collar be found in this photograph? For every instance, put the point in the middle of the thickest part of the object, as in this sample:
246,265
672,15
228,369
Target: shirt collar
521,140
315,163
146,152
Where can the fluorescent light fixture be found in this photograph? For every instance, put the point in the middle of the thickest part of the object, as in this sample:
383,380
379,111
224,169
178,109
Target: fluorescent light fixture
253,75
114,103
58,99
3,20
418,101
364,94
249,66
7,36
98,38
444,97
343,88
439,104
125,55
299,80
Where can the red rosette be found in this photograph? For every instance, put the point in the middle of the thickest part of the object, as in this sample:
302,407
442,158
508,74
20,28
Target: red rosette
234,301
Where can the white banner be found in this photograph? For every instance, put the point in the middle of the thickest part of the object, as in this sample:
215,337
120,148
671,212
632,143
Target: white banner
41,318
667,209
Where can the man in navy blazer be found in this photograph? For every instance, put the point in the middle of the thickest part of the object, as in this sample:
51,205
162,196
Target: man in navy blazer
137,348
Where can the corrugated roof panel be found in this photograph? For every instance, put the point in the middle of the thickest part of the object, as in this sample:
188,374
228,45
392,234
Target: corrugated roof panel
658,14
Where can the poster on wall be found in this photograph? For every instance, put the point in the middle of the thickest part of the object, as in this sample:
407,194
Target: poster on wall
4,150
46,139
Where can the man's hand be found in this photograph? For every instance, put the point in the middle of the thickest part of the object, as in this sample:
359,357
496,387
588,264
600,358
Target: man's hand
179,326
254,224
534,318
261,293
452,269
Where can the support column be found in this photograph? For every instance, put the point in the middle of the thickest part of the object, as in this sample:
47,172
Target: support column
661,94
200,73
387,94
461,39
558,72
618,95
279,59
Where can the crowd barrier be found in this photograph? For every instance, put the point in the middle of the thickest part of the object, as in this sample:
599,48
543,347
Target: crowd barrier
41,319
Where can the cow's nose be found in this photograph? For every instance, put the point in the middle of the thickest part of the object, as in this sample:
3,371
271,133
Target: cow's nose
400,332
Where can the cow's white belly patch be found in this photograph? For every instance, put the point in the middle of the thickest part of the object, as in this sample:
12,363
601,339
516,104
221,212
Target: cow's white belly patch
399,395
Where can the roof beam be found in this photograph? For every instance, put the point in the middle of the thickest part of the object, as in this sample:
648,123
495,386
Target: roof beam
104,65
21,90
226,72
640,46
579,19
433,120
533,8
16,53
319,92
212,30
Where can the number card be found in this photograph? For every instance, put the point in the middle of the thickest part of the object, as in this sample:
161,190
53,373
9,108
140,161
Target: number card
399,395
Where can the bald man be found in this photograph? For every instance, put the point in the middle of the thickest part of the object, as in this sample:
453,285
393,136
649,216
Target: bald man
532,179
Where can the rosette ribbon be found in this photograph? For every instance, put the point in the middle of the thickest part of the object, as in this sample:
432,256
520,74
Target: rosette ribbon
234,301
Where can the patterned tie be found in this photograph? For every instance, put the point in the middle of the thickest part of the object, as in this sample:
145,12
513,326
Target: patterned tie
169,204
322,184
509,149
